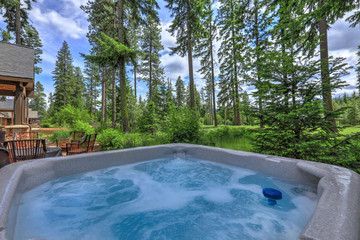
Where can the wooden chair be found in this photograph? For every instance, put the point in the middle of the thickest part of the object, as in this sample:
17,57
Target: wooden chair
75,137
85,146
4,157
26,135
21,150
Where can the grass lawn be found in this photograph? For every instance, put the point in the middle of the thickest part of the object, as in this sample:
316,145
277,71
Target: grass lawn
350,130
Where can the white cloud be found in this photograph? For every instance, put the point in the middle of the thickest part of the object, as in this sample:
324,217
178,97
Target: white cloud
48,57
52,20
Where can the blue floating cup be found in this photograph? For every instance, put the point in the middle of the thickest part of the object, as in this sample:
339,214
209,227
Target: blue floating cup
272,195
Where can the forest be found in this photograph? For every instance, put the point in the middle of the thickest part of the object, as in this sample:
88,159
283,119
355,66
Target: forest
278,47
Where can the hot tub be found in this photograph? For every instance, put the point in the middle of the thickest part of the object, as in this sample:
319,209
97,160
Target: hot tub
336,215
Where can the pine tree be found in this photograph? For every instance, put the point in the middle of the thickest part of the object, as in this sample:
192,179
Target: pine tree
259,18
150,70
63,77
358,69
232,52
184,25
137,9
180,92
78,86
205,48
326,12
92,82
101,18
38,103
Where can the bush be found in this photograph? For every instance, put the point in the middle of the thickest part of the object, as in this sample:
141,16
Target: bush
59,135
108,139
45,125
183,126
70,115
82,126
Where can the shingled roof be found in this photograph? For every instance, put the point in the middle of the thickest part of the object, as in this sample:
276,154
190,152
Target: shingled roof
16,61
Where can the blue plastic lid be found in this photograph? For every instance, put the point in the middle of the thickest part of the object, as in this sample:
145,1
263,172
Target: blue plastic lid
272,193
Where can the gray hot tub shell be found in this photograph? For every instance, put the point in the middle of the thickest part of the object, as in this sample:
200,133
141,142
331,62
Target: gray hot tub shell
337,215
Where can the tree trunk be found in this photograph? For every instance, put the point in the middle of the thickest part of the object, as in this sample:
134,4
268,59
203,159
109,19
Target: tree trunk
123,98
150,71
18,23
325,80
103,97
91,97
135,80
190,63
256,25
213,77
113,102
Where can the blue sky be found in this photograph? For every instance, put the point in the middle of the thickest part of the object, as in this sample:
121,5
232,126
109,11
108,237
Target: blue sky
59,20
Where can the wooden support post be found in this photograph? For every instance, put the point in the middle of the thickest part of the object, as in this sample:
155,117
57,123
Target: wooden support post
17,105
23,103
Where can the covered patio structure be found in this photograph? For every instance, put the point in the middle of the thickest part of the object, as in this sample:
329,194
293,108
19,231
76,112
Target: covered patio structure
17,78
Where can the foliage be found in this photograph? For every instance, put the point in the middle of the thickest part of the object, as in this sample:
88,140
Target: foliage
148,122
38,103
69,115
111,139
83,126
59,135
107,138
182,126
68,82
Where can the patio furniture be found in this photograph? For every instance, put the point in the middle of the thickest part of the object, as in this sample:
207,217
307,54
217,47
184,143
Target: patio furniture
4,157
2,137
26,135
85,146
21,150
75,137
53,152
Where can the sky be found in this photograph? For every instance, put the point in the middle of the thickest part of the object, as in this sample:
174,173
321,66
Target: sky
63,20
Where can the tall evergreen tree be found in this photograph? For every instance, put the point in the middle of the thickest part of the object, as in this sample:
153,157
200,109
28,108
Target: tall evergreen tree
137,10
232,51
63,77
358,69
184,25
259,18
150,70
180,92
326,12
92,82
77,99
102,19
205,48
38,103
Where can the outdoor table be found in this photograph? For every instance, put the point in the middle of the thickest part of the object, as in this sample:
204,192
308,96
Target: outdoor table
53,152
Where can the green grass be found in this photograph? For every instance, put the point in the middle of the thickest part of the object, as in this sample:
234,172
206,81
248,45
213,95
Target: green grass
350,130
236,143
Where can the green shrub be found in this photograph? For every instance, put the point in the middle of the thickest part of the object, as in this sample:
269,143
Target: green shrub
69,115
183,126
59,135
83,126
108,139
148,122
45,125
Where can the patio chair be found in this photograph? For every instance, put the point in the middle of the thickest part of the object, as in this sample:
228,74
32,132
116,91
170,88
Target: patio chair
26,135
85,146
75,137
2,137
4,157
21,150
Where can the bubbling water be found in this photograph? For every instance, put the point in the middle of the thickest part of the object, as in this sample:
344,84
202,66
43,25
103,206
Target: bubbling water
164,199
